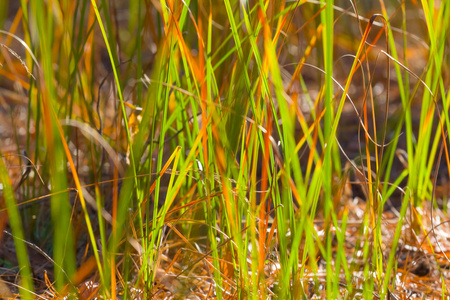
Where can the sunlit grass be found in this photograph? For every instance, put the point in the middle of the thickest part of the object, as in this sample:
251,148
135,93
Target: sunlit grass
203,146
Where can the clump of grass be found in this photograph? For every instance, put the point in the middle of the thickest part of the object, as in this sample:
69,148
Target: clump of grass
241,149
